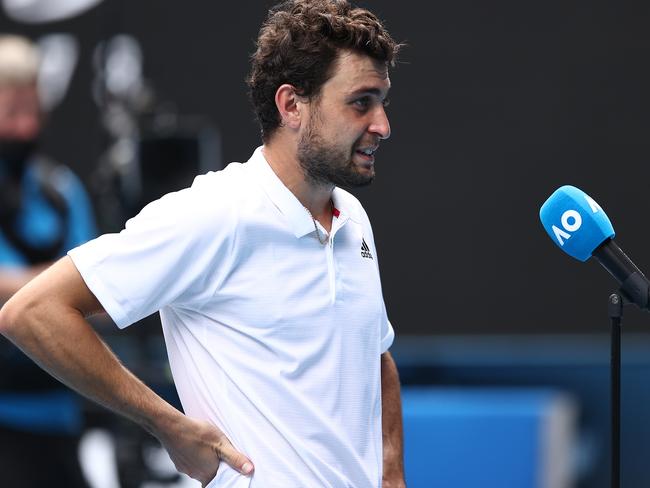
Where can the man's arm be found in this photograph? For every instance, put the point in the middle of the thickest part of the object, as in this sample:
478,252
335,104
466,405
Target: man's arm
46,319
391,405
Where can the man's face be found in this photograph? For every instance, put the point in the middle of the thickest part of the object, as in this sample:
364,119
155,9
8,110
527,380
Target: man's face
345,123
20,113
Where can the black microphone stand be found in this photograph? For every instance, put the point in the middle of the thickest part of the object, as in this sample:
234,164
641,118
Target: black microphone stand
615,309
635,288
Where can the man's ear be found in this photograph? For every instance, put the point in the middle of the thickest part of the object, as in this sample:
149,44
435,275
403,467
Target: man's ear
289,106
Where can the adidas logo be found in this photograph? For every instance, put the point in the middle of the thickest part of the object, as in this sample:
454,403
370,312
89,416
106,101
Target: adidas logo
365,250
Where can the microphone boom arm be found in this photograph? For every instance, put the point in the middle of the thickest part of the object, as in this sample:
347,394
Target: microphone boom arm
635,287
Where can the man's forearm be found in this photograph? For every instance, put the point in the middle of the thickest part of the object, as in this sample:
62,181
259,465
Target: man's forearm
60,340
393,456
46,319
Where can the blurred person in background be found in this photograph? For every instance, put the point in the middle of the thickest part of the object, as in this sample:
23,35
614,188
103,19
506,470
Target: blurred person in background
44,212
266,278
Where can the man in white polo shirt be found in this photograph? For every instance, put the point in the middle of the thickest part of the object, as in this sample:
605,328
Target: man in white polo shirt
265,275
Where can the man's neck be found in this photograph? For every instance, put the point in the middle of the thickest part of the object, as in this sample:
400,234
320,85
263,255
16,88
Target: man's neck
316,198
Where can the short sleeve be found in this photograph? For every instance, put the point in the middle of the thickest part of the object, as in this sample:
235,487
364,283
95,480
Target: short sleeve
171,253
387,335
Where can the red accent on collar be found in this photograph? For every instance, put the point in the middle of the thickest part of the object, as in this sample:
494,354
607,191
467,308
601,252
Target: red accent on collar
336,212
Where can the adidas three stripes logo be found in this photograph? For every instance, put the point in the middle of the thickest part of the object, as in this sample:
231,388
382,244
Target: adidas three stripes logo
365,250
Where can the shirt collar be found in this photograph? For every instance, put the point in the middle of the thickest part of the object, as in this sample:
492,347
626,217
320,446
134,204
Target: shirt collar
286,202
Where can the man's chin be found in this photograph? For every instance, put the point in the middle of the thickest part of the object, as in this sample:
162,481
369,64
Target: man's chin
365,175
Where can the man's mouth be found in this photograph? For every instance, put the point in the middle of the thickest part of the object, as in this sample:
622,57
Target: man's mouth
367,153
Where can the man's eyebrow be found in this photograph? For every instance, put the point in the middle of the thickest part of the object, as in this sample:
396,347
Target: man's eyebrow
369,91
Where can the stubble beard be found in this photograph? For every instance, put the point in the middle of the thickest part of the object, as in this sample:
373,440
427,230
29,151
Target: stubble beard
326,165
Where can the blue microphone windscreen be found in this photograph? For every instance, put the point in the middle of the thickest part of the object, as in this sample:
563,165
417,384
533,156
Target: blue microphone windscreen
575,222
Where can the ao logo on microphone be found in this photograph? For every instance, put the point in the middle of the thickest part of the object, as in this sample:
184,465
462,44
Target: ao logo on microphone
575,222
571,221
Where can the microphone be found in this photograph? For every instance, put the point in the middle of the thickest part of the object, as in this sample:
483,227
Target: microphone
581,228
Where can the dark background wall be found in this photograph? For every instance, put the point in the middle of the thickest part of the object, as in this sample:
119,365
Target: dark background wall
494,105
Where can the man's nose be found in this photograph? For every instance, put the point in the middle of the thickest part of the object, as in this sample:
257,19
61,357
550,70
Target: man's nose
380,124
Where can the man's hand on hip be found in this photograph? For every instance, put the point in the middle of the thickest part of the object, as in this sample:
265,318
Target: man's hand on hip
197,448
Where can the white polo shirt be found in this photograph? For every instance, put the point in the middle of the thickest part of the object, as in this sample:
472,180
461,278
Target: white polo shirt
271,335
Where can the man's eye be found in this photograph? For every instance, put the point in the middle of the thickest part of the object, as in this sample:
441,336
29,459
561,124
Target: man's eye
362,102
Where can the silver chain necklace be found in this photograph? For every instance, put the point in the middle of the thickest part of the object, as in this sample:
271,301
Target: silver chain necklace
327,237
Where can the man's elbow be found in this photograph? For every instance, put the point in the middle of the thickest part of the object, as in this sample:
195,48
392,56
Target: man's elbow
14,312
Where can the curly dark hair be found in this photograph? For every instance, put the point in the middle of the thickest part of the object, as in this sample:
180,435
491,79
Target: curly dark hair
299,43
